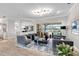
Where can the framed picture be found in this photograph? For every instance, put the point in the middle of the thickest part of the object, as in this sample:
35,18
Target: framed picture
28,28
75,27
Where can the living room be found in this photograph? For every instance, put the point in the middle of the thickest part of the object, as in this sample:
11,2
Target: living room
38,28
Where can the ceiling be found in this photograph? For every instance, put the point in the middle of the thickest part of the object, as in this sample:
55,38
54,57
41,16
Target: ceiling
24,10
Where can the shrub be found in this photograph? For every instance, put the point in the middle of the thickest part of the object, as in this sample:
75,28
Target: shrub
64,50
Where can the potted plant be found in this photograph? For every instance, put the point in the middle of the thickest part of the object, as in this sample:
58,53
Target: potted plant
64,50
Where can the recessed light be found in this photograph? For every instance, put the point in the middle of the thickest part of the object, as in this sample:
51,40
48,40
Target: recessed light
58,12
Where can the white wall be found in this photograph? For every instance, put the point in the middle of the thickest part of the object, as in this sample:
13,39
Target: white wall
10,29
12,32
62,20
74,13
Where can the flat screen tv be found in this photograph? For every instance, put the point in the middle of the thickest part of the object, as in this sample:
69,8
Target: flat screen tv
63,27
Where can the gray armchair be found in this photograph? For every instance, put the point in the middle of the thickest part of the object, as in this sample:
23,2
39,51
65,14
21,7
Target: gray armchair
21,40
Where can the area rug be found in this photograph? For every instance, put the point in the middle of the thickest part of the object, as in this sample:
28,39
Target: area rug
41,48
